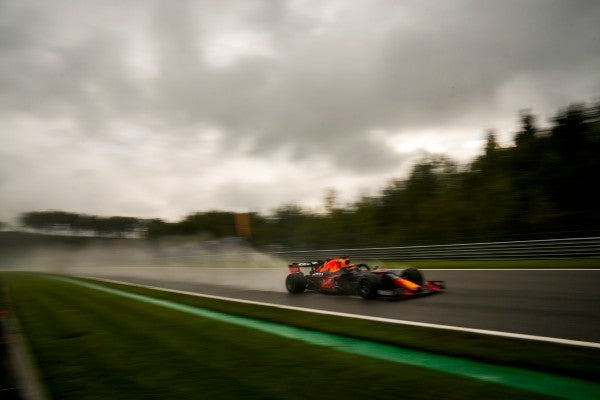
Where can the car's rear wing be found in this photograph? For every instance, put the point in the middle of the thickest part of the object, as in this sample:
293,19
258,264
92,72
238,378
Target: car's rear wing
295,267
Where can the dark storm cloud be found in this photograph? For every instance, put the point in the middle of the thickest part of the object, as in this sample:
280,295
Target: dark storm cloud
462,60
166,87
386,66
55,67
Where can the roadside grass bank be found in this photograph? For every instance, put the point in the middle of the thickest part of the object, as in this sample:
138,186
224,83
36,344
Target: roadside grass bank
94,345
8,381
575,361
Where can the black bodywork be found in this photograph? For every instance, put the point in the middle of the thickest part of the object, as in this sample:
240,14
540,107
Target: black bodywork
361,280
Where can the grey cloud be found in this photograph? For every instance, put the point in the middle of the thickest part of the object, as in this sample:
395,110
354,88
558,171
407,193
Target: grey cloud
336,71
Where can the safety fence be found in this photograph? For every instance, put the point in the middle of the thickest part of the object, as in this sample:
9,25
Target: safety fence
587,247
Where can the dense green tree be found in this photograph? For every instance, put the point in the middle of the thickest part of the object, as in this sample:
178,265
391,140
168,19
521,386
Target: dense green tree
542,186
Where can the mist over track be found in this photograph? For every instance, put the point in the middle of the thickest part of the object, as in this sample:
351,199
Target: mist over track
552,303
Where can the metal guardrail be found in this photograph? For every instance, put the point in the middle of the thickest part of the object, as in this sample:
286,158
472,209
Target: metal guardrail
587,247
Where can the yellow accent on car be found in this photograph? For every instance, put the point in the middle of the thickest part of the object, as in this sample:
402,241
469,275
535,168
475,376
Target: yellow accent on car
410,285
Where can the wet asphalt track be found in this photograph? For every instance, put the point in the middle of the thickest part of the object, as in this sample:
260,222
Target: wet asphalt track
553,303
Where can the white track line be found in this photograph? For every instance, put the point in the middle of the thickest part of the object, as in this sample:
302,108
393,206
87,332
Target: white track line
368,318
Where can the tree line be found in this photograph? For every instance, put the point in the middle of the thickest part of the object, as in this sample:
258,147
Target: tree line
73,223
541,186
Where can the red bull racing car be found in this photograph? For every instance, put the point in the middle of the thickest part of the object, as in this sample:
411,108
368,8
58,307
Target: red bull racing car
338,276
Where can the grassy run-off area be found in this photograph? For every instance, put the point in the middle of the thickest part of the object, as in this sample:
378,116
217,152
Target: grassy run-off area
91,344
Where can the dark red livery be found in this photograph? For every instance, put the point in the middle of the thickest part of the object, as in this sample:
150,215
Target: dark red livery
362,280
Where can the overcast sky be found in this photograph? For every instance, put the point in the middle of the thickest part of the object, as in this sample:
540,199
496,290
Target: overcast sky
163,108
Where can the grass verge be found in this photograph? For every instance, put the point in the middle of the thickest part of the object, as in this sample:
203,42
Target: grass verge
8,381
94,345
579,362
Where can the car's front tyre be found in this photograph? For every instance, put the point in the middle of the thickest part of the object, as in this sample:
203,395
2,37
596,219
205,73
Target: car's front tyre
368,286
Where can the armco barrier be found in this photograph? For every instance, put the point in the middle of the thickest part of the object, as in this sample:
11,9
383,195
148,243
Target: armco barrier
588,247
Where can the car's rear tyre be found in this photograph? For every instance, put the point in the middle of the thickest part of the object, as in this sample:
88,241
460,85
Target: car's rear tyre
368,286
413,275
296,283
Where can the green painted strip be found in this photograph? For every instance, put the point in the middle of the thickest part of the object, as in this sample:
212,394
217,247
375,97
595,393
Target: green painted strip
547,384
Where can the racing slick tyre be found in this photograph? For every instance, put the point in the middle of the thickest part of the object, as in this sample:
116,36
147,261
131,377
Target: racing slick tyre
368,286
413,275
296,283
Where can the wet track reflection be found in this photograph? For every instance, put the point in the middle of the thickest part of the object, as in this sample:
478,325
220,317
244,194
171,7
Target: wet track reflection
553,303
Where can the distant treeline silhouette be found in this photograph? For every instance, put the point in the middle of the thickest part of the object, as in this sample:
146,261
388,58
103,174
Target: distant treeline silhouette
543,185
73,223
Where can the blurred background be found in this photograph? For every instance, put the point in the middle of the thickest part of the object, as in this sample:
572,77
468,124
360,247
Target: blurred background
541,187
296,125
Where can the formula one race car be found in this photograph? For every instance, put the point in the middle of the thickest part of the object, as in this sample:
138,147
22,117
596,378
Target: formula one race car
362,280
